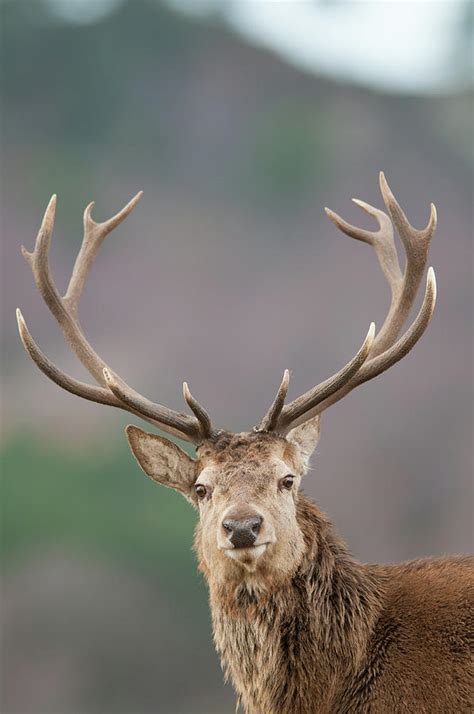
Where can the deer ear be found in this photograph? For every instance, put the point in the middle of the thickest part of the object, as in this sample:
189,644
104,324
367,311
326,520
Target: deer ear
163,461
305,437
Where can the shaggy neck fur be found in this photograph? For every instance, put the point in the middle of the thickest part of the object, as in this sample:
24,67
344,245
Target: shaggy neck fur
289,646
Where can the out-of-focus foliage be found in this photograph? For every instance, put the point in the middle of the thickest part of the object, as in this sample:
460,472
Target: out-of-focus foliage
128,518
102,561
226,274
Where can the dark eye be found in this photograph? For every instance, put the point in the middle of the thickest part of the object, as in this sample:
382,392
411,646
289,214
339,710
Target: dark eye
201,491
287,482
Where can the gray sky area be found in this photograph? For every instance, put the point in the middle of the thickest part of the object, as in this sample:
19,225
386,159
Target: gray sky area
399,45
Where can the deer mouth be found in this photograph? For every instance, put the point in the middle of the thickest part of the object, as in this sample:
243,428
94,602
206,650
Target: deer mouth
246,554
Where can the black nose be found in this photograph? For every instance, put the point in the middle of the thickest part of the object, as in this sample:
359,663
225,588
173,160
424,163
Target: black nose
242,532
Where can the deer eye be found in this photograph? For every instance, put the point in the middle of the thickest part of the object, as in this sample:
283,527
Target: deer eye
287,482
201,491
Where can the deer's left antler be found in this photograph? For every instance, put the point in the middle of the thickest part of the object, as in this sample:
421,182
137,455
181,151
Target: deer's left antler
379,354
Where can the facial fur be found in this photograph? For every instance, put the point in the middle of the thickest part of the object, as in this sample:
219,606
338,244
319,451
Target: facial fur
250,478
249,475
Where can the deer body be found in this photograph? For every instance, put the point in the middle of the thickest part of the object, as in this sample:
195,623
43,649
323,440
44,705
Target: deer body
331,635
340,636
300,626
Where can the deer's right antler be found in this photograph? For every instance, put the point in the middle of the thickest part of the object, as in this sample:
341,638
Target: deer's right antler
111,390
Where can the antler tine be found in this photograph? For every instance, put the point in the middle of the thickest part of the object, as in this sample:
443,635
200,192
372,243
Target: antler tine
200,413
416,244
308,401
386,349
88,391
377,365
382,240
94,234
113,390
43,238
91,392
270,420
382,362
410,236
39,262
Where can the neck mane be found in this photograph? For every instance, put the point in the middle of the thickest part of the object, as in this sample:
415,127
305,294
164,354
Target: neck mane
287,646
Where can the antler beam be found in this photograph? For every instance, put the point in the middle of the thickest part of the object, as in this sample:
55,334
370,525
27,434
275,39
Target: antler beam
385,350
112,390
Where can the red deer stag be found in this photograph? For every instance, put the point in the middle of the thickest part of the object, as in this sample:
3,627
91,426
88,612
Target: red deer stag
300,626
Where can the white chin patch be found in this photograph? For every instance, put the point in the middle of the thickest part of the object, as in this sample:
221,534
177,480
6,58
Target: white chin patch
247,556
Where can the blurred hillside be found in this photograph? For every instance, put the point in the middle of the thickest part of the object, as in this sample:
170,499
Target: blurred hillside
227,273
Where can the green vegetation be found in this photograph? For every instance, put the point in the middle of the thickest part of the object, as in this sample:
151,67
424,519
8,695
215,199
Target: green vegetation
98,501
129,602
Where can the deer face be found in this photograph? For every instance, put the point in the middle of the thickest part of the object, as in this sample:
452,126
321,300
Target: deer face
245,487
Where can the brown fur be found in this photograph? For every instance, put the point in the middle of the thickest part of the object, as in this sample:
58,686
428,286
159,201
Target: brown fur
340,636
305,628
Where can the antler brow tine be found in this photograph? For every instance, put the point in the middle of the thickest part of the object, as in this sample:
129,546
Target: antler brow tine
270,420
207,432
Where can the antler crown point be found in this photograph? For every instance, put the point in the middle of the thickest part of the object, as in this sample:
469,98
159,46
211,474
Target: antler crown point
51,207
332,216
134,200
431,278
369,340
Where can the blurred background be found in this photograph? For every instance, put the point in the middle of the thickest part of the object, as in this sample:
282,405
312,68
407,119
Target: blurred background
241,121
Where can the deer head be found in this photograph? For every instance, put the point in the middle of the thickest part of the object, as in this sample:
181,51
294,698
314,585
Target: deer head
244,485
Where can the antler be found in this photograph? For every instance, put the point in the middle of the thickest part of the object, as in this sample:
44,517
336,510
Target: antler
376,355
111,389
379,354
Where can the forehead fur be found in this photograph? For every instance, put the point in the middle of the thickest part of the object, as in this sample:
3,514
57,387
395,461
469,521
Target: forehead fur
249,447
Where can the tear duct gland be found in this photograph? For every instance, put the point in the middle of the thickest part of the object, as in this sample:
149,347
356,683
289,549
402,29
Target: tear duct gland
300,626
